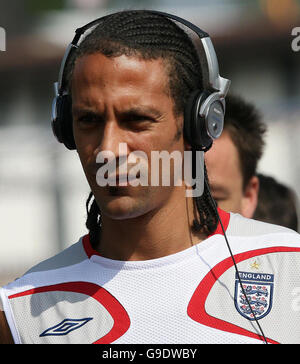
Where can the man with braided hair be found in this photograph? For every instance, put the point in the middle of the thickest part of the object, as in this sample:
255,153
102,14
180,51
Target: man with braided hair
155,267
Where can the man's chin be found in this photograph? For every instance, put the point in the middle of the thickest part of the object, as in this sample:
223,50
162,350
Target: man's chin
122,208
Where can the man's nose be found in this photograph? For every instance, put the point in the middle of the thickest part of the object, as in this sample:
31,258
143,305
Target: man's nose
111,137
112,146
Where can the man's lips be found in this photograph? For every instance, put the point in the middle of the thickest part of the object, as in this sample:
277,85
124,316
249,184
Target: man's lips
115,179
121,179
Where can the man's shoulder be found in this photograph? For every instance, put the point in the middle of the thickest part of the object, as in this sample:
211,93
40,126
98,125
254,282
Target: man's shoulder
70,256
243,227
59,269
67,258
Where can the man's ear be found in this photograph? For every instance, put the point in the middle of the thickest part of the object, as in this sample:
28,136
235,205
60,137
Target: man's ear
250,197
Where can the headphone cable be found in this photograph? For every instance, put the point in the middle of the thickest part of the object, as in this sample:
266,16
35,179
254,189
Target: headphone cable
235,265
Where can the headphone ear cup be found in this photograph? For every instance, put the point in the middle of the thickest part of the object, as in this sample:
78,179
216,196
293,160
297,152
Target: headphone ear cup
194,125
214,119
188,125
63,124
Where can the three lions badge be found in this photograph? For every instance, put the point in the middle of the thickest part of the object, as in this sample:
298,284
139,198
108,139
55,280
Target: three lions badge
258,288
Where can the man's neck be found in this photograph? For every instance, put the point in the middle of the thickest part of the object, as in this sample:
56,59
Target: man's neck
152,235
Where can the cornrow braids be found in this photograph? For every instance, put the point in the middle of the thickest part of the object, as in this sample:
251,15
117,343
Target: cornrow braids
148,36
93,221
206,206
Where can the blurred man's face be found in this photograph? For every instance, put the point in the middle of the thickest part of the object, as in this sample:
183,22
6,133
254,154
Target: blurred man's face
226,180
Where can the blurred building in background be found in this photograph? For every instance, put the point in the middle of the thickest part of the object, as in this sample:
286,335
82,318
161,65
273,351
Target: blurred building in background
42,186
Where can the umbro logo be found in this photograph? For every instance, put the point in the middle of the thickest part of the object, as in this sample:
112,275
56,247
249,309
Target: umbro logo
65,327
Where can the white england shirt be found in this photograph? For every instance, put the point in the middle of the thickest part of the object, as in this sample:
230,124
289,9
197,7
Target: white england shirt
189,297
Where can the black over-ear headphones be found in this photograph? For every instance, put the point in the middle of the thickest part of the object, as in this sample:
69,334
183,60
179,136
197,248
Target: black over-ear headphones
204,111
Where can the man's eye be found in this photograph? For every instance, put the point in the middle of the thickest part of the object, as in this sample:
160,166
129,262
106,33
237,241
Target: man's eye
138,122
87,120
137,118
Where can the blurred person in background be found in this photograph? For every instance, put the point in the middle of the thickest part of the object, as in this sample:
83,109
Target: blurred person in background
232,161
277,203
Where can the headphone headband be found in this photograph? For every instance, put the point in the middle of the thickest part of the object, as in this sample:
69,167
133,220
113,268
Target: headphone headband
210,68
